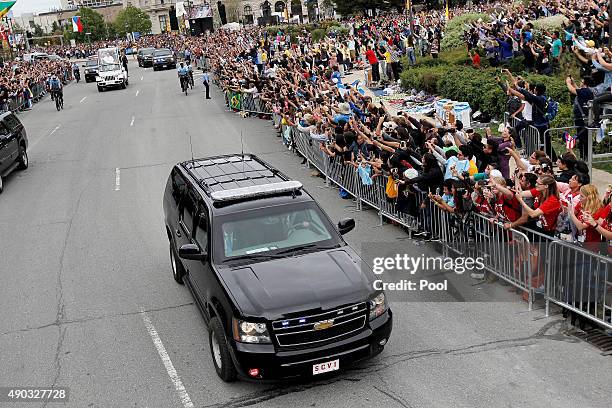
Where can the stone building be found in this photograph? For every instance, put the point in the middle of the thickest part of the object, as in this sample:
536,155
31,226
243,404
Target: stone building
163,12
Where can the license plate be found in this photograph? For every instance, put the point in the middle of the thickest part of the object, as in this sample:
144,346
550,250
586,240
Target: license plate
325,367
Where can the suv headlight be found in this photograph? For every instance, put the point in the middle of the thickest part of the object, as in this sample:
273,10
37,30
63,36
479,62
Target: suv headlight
248,332
378,306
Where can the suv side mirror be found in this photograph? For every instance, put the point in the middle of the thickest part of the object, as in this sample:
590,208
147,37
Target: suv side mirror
346,225
192,252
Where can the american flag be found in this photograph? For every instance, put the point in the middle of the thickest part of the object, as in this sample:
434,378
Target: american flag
570,141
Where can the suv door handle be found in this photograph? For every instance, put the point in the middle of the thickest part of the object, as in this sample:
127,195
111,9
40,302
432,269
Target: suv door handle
178,232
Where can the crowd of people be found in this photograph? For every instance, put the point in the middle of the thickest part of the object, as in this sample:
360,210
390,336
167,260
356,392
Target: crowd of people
21,82
463,171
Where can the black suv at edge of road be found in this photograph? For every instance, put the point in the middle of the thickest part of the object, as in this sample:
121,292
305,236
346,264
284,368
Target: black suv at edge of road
13,145
282,293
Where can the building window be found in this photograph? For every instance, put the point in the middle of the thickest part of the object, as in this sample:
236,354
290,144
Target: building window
279,6
163,23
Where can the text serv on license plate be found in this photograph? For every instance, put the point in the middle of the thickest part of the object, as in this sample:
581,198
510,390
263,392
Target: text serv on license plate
326,367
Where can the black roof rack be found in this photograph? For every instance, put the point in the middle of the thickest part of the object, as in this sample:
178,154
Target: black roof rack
229,172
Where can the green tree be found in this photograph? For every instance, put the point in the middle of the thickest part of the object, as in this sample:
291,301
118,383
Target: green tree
38,31
111,30
132,19
93,22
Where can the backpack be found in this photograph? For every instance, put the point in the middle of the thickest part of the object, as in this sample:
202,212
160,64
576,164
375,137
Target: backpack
55,85
551,109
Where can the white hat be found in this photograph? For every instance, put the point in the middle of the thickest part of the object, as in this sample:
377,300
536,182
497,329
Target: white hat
495,173
344,108
335,80
410,173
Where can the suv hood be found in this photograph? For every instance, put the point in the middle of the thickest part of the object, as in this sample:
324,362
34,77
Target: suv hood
314,281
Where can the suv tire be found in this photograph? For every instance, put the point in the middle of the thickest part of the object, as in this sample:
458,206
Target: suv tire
178,270
100,88
1,185
219,350
23,159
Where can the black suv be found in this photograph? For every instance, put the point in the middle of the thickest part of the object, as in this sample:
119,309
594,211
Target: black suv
13,145
145,57
163,58
91,70
282,293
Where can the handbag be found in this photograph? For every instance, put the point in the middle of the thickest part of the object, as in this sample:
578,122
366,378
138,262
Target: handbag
391,189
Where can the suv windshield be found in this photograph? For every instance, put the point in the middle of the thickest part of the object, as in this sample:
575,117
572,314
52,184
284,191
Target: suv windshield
271,230
109,67
91,63
162,53
147,51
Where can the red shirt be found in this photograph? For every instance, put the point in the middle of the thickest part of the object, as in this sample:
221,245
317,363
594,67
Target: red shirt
551,207
483,206
371,56
476,60
590,234
509,209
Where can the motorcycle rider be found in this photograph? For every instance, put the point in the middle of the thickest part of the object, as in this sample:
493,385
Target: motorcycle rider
76,72
190,72
55,85
183,74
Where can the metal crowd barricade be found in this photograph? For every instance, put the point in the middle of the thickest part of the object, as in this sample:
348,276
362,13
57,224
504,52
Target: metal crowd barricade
506,253
579,280
600,150
253,104
529,134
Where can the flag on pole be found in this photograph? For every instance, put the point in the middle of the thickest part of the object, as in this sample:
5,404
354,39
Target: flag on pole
570,141
77,25
5,6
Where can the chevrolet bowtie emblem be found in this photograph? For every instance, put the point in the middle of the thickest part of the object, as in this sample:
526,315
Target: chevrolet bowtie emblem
324,324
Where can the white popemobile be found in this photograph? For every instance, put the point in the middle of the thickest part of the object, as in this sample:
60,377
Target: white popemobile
111,72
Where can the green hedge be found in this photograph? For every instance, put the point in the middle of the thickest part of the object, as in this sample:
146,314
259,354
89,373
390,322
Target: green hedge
479,88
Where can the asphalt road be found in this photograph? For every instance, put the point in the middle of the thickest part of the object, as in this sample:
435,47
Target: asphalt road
87,299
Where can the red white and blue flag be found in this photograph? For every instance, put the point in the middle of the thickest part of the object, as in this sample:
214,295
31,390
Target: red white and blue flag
570,141
77,25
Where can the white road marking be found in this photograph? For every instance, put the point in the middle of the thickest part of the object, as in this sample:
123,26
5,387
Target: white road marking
81,101
117,179
142,77
163,354
49,134
137,92
132,122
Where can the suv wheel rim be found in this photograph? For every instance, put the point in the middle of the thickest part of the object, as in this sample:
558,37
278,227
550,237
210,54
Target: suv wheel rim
24,158
216,351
